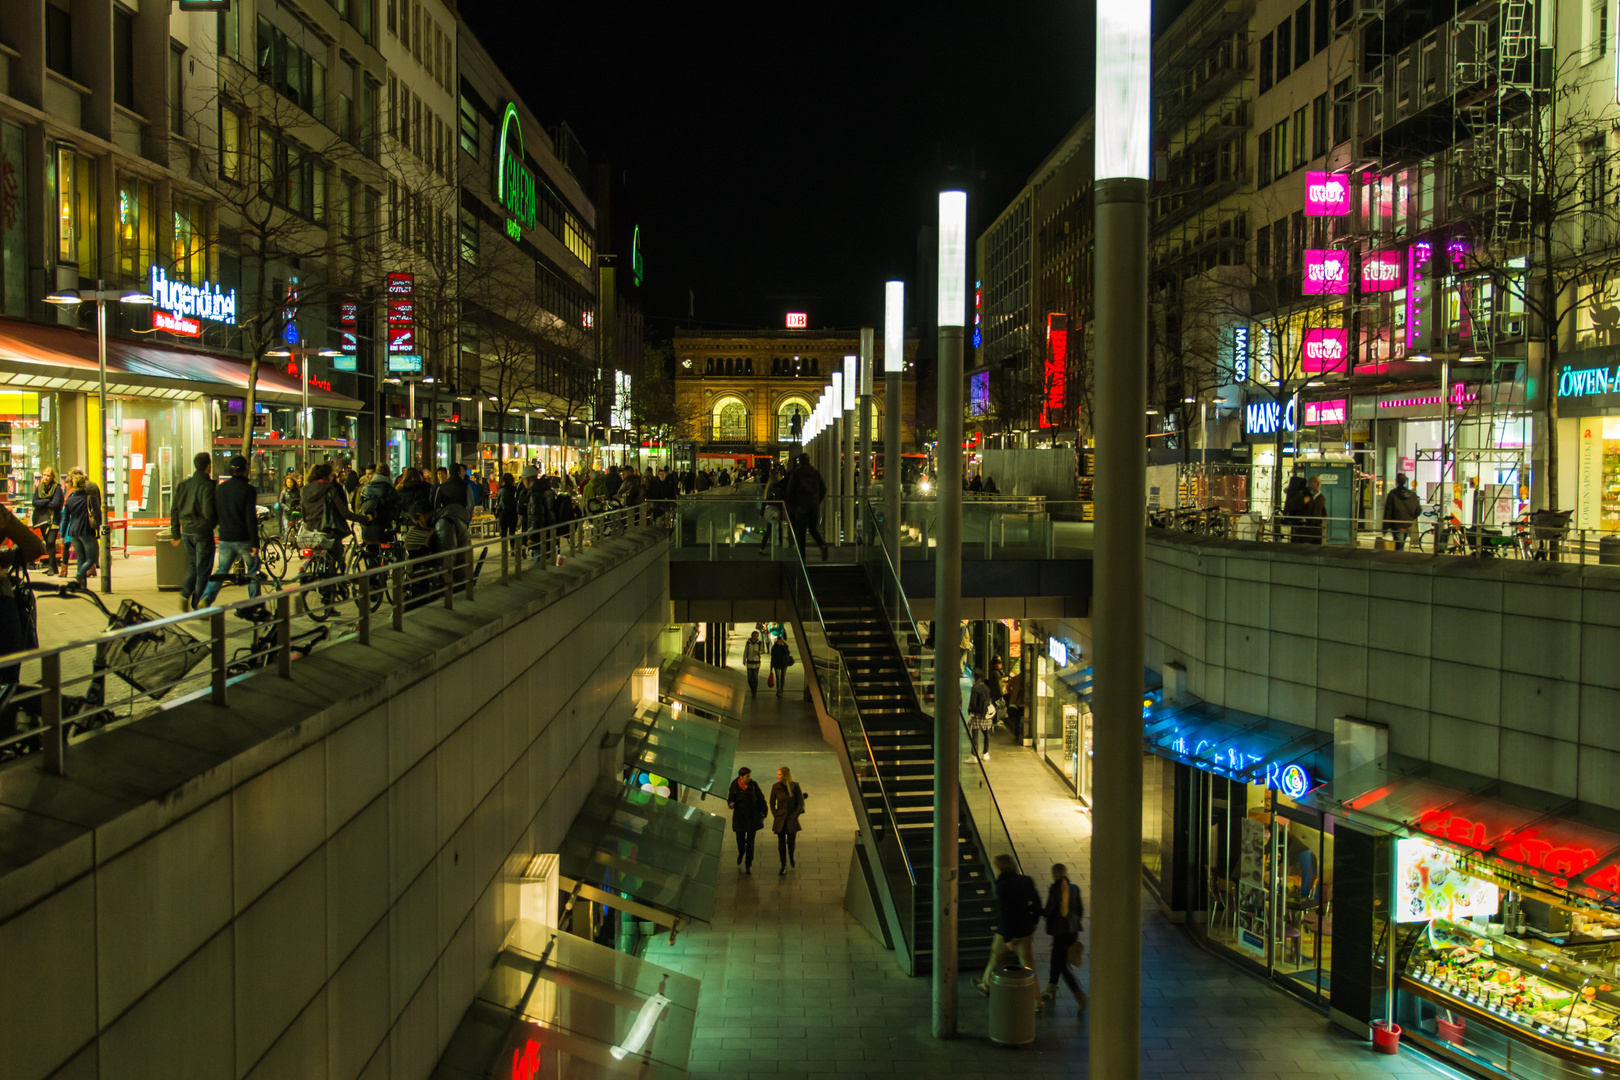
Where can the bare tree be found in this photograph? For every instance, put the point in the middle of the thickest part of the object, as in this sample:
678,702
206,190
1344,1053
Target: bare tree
652,395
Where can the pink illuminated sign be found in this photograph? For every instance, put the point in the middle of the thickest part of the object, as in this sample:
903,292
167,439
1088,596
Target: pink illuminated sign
1326,412
1326,272
1380,271
1325,350
797,320
1326,194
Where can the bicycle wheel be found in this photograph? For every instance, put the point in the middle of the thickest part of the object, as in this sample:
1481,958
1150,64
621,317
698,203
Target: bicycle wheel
363,557
273,558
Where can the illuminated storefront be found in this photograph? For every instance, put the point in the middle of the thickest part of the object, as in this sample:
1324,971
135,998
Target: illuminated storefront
1588,389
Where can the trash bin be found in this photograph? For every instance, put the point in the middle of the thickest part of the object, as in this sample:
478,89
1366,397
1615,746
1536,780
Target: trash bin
1609,551
171,563
1015,994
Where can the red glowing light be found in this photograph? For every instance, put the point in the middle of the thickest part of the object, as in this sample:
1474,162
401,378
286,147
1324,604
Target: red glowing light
1453,827
1057,361
797,320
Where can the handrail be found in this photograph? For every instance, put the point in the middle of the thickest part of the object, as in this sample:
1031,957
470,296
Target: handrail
165,644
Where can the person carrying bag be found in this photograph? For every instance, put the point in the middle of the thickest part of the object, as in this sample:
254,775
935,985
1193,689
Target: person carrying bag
1065,914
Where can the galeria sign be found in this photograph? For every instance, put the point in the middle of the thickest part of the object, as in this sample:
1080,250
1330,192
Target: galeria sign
514,183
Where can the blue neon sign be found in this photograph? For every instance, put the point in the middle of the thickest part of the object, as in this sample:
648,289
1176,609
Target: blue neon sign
1291,779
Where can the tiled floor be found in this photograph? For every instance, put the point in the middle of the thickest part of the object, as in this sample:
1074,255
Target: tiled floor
793,986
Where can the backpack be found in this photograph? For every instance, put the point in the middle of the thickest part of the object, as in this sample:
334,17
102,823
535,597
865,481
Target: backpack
374,504
563,508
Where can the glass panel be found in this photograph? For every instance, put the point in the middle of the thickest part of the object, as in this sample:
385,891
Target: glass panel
712,691
660,852
688,749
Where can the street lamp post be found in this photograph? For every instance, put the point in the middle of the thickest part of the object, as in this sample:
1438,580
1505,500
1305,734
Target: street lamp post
302,353
99,296
1124,133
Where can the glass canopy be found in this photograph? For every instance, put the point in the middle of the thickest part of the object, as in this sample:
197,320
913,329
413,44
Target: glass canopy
686,748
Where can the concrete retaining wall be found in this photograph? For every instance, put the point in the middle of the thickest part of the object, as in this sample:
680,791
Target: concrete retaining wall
1504,668
314,882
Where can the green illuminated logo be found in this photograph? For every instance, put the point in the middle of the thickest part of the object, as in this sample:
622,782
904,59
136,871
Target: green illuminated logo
635,255
514,183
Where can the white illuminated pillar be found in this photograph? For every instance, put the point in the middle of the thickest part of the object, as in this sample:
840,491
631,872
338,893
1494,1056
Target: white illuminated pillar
1119,423
846,474
835,472
948,604
894,366
863,484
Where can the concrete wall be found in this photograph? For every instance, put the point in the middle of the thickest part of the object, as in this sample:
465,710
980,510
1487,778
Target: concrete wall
320,886
1504,668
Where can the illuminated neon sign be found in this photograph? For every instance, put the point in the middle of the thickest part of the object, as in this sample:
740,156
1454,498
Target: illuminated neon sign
514,183
1325,350
1589,382
1291,779
203,301
1326,195
1240,354
797,320
1057,367
1267,417
1327,272
175,324
1318,413
1380,271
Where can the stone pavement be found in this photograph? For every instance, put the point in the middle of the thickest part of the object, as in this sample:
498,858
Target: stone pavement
794,987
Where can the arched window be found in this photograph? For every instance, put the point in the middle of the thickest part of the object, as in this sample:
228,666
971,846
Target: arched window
748,366
708,366
815,367
790,417
730,421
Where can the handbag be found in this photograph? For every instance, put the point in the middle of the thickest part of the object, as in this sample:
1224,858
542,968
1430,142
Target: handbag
770,680
1077,954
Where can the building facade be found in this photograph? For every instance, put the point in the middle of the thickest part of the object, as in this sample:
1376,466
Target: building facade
746,396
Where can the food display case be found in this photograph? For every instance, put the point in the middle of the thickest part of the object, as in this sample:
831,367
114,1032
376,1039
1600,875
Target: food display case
1469,983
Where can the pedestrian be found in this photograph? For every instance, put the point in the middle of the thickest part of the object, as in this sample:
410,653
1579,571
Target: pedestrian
770,507
288,503
1294,506
81,524
326,514
379,503
753,652
413,494
1315,511
748,809
781,660
1064,914
1015,705
191,522
1018,913
993,678
787,806
236,504
48,500
612,482
1401,508
981,715
803,494
505,505
630,492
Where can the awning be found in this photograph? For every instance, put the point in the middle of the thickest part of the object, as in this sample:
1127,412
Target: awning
662,853
1535,836
1239,745
50,358
715,692
560,1006
684,747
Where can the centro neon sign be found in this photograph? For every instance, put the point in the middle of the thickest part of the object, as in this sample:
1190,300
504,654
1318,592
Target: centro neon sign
1292,780
514,183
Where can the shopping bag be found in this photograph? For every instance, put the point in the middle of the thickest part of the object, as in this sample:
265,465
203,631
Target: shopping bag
1077,954
770,680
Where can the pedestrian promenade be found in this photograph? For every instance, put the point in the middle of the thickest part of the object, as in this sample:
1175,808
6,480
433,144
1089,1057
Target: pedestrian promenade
794,987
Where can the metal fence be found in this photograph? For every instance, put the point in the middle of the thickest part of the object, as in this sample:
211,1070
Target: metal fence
50,698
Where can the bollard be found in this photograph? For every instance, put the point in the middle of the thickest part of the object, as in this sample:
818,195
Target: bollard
505,548
50,677
472,564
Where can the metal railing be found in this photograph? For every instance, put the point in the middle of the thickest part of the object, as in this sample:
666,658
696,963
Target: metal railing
66,690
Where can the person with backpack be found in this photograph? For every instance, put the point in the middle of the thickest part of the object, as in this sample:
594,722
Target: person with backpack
981,715
326,513
781,660
81,524
1401,509
505,506
1065,913
753,653
1018,913
378,502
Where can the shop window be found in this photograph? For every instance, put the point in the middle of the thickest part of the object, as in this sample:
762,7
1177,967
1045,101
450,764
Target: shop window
76,210
59,40
190,254
13,222
123,58
136,213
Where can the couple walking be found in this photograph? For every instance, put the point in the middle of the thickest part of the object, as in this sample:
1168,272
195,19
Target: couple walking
1019,911
748,809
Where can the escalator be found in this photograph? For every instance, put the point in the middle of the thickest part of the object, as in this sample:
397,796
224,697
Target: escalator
874,694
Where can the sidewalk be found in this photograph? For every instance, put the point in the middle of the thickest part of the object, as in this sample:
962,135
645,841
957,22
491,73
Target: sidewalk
794,987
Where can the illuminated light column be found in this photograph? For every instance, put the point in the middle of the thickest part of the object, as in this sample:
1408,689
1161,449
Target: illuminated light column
845,408
894,366
948,603
1124,35
863,483
835,477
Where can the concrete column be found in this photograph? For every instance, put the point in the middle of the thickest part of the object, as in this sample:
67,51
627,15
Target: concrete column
947,682
1121,430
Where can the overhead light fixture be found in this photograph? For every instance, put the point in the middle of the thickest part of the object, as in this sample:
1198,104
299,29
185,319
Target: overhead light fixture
136,298
427,378
66,298
1189,400
1153,412
279,353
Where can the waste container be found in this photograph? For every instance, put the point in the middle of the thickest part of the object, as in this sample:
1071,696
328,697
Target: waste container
1015,994
171,562
1609,551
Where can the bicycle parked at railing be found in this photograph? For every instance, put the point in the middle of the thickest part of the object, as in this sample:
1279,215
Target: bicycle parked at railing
322,564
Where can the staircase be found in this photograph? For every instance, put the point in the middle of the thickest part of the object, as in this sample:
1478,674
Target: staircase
901,737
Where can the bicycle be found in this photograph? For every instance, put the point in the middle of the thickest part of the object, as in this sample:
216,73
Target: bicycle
318,565
272,549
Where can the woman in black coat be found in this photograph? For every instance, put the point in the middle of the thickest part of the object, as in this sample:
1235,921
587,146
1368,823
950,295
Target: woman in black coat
1064,912
748,809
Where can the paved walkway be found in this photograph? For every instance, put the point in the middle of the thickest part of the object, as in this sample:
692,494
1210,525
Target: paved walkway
794,987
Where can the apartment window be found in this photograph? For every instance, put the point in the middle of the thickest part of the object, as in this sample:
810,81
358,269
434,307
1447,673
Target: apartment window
416,31
76,209
416,126
1263,145
344,107
232,143
1302,33
393,209
368,217
177,88
189,254
1262,249
1284,51
135,230
1279,246
1319,126
1342,104
469,237
393,106
123,58
1302,134
369,92
365,10
1299,240
348,205
404,23
295,74
1267,60
469,128
59,40
229,34
1279,149
393,17
1323,26
1597,29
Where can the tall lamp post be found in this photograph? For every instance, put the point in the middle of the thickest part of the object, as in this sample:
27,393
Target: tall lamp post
894,365
302,353
1124,35
948,603
863,483
99,296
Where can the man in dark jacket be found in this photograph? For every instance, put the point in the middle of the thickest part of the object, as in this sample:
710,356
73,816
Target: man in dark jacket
379,502
804,492
1018,913
1401,508
612,481
237,503
748,810
191,522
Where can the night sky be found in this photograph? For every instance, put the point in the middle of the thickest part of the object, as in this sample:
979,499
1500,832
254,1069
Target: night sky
784,155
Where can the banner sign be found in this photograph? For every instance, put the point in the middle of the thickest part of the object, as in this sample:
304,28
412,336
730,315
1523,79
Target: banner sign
401,313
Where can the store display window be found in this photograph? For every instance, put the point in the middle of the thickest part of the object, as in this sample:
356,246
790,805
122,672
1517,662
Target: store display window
27,440
151,442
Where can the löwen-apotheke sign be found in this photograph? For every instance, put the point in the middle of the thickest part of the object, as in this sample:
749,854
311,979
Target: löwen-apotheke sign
1589,379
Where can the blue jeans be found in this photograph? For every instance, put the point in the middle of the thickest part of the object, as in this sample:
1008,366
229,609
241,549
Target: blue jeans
87,555
753,678
199,564
229,552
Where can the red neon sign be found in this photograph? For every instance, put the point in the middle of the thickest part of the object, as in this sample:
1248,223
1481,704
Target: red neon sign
1057,361
1564,860
319,384
526,1061
797,320
1607,879
1453,827
176,324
